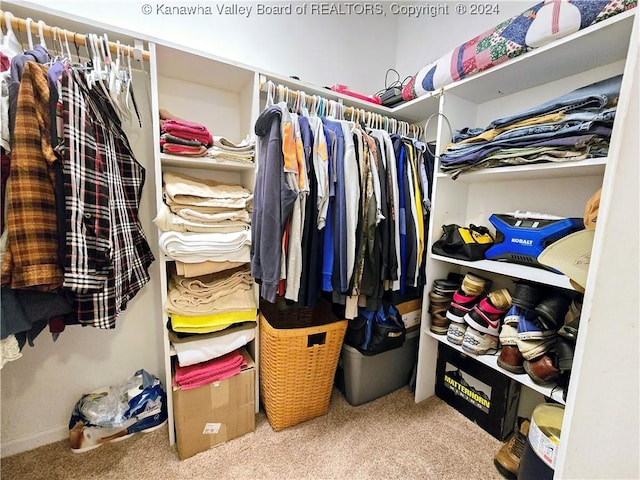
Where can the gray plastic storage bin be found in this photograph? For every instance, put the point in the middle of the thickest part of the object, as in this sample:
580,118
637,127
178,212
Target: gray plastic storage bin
363,378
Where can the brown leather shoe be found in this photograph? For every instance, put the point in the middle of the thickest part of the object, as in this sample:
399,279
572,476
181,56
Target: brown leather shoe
511,359
542,370
507,460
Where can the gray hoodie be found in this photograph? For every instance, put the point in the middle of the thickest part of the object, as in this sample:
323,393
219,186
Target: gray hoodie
272,204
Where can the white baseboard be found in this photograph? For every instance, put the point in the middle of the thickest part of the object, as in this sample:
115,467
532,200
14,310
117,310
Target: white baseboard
36,440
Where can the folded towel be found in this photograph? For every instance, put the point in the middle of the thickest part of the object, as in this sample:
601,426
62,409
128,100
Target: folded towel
184,150
201,348
194,376
188,130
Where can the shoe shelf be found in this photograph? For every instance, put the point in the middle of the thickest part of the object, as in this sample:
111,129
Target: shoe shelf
513,270
584,168
204,163
553,392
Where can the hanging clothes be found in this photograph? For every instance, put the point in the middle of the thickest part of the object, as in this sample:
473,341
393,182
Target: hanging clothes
372,186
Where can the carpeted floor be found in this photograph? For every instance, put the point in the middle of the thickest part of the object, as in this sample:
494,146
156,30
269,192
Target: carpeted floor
389,438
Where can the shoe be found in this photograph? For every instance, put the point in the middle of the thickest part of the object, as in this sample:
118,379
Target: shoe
526,295
510,357
532,349
447,286
438,306
114,413
485,317
465,297
507,460
572,320
513,316
455,332
549,368
478,343
531,328
551,311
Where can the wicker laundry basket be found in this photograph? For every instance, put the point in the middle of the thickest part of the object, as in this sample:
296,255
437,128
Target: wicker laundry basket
299,351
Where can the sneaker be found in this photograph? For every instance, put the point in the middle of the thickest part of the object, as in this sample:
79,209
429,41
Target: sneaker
551,311
438,306
466,297
531,328
479,343
485,317
532,349
507,460
572,320
526,295
114,413
455,332
510,357
513,316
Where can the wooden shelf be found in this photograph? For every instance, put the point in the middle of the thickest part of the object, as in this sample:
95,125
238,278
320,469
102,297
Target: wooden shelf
492,362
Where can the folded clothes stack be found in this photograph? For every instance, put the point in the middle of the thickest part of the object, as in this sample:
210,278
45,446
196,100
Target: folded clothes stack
574,126
183,137
203,206
198,304
225,150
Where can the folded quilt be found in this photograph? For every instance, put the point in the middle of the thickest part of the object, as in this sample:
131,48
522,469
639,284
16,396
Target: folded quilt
538,25
204,373
201,348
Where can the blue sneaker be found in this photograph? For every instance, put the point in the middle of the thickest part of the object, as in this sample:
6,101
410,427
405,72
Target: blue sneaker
114,413
530,328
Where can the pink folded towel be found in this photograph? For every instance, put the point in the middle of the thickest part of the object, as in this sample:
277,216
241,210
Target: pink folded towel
194,376
188,130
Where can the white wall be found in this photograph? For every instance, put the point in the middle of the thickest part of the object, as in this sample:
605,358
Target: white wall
354,50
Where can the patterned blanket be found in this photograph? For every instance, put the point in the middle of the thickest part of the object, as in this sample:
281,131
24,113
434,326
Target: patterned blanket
544,22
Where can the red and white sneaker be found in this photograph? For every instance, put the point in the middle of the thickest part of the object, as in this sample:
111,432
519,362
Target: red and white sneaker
486,316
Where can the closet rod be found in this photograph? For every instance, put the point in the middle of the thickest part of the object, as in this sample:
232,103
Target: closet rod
379,120
21,25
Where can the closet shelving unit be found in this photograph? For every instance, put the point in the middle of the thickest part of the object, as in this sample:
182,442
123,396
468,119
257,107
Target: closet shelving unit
223,97
592,54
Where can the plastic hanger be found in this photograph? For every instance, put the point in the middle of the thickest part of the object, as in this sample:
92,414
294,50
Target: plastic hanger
29,38
41,34
271,91
10,44
66,44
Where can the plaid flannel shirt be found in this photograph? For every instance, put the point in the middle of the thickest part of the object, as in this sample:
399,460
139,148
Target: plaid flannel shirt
107,256
31,258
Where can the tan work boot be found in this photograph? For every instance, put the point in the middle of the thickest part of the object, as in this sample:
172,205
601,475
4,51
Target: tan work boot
507,460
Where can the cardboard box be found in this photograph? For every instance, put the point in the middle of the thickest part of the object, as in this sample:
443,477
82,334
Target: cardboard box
212,414
411,312
480,393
